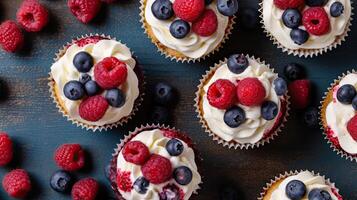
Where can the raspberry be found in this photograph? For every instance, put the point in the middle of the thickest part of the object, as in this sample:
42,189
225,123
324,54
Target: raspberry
352,127
136,152
70,157
6,150
17,183
84,10
250,92
93,108
221,94
188,10
157,169
11,38
332,138
110,72
123,181
206,24
285,4
300,93
316,21
89,40
85,189
175,134
32,16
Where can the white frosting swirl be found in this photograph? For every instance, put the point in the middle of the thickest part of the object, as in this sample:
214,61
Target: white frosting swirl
253,129
193,45
156,142
311,182
64,71
272,17
338,115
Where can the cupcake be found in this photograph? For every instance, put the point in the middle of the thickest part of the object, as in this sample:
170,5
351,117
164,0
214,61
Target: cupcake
155,163
306,27
96,83
338,115
302,185
188,30
241,102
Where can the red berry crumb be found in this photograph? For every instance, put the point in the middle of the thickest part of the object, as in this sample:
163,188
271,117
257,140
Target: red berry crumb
32,16
157,169
188,10
93,108
352,127
17,183
70,157
89,40
110,72
6,150
316,21
331,136
285,4
123,181
250,92
175,134
206,24
11,38
221,94
84,10
85,189
136,152
300,93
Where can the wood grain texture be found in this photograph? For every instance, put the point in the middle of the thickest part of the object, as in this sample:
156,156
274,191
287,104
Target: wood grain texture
31,118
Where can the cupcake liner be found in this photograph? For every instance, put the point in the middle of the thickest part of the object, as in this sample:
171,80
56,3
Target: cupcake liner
307,52
126,139
138,71
286,174
233,144
162,49
323,125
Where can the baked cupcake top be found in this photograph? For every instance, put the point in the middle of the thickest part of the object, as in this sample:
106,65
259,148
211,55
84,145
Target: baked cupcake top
193,28
306,24
157,164
341,113
243,100
95,81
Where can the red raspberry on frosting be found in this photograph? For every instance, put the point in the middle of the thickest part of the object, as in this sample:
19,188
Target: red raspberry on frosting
206,24
17,183
70,157
285,4
6,150
11,38
316,21
352,127
123,181
110,72
93,108
157,169
299,91
85,189
221,94
84,10
32,16
250,92
189,10
136,152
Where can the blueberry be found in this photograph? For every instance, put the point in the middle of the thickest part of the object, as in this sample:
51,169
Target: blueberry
227,7
179,28
141,185
237,63
83,61
84,78
346,93
249,18
174,147
354,103
164,94
61,181
208,2
336,9
295,190
280,86
313,3
319,194
269,110
115,97
292,18
311,117
182,175
92,88
162,9
299,36
160,114
234,117
170,192
73,90
294,71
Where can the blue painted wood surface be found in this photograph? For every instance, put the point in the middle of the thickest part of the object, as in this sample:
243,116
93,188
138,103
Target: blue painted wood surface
32,120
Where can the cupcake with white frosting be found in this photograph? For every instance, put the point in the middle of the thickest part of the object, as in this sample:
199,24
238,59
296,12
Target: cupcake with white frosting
306,27
339,116
96,83
155,163
241,102
188,30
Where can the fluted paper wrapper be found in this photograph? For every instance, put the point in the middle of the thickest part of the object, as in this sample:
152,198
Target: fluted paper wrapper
326,99
94,128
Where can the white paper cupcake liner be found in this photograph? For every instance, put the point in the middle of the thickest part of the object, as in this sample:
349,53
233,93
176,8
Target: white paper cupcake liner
162,51
339,151
94,128
307,52
233,144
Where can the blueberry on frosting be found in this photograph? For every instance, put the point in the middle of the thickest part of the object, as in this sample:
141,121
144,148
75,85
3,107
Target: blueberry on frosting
182,175
234,117
115,97
336,9
313,3
280,86
83,61
92,88
346,93
73,90
292,18
299,36
141,185
84,78
295,190
162,9
179,28
319,194
174,147
269,110
227,7
237,63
